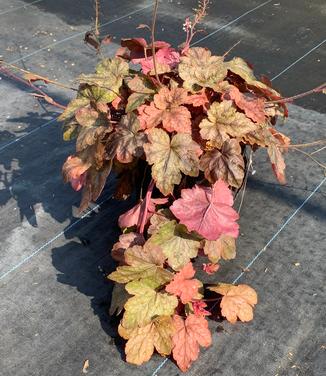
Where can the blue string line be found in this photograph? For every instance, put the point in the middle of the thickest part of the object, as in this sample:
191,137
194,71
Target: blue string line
78,34
53,239
27,134
231,23
22,6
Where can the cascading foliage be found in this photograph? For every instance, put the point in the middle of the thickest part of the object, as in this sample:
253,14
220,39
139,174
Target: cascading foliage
186,118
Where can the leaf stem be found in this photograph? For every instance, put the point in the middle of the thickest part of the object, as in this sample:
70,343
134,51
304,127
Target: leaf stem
153,41
144,208
42,78
317,89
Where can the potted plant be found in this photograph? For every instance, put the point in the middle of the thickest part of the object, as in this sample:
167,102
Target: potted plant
177,126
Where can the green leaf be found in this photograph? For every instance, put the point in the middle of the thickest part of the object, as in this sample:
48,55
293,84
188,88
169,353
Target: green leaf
171,157
141,309
238,66
72,107
70,130
177,244
199,67
142,85
135,100
143,263
109,75
223,121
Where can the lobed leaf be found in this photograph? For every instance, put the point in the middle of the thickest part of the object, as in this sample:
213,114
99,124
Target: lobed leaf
207,211
237,302
222,248
184,286
176,243
200,68
189,335
223,121
226,164
171,157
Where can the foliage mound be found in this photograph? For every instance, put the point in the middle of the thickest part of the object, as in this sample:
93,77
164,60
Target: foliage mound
187,118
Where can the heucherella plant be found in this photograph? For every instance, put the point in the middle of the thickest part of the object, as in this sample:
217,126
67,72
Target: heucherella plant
178,126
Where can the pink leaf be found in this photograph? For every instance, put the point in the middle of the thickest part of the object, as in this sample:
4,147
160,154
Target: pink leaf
167,56
207,210
131,217
211,268
184,285
198,307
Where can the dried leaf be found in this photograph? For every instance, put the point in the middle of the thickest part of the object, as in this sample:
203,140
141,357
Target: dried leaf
176,243
207,210
224,248
224,120
278,164
190,333
199,67
226,164
238,301
171,157
85,366
184,285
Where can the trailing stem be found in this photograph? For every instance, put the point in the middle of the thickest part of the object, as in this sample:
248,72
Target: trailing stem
153,41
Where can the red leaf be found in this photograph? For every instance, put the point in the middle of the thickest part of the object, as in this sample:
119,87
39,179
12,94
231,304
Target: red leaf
183,285
165,56
253,108
211,268
199,308
131,217
207,210
190,333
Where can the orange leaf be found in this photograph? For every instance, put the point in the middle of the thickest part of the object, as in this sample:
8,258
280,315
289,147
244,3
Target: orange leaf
190,333
237,302
167,109
184,286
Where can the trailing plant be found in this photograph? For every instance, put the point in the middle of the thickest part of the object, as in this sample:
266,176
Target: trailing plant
178,126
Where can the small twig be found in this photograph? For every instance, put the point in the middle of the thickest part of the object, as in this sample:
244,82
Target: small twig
318,89
228,51
245,181
144,210
41,94
97,15
311,157
293,146
41,78
153,41
317,151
